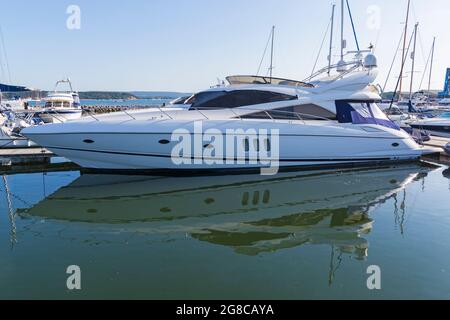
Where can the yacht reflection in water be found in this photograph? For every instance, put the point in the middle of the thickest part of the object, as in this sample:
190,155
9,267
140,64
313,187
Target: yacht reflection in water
251,214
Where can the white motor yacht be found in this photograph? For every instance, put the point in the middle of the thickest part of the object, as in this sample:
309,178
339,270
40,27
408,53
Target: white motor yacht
61,106
332,121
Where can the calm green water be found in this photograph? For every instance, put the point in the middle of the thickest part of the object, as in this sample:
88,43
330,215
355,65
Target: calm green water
293,236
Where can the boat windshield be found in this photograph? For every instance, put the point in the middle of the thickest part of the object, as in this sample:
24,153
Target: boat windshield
235,99
236,80
362,112
57,104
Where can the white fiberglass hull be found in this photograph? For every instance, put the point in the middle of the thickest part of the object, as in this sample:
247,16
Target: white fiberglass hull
147,145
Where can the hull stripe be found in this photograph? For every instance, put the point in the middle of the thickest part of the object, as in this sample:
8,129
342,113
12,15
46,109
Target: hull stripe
197,158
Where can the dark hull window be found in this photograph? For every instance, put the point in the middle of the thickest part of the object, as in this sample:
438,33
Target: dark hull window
303,112
235,99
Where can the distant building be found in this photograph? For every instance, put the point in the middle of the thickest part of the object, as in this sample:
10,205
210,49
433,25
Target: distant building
9,88
446,92
13,92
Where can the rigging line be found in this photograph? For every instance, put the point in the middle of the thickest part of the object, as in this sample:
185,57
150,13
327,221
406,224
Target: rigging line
5,54
426,68
1,64
321,47
431,63
401,71
353,24
393,62
413,9
264,54
16,197
376,41
11,213
422,48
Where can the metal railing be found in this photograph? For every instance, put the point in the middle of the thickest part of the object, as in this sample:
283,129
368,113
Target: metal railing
220,114
242,114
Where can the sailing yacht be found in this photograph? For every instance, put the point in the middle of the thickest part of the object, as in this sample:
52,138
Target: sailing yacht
61,106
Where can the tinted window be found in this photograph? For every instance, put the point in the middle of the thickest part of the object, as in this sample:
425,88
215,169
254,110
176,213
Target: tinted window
305,112
235,99
181,100
204,97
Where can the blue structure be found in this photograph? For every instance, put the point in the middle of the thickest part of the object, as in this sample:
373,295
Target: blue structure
446,93
10,88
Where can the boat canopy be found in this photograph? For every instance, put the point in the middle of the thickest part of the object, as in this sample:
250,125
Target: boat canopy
236,80
362,112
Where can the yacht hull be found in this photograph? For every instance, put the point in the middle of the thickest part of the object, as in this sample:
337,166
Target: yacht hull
147,146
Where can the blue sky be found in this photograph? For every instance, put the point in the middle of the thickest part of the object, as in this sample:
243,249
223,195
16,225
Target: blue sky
185,45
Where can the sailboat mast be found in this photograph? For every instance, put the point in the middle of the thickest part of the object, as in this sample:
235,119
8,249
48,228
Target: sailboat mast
271,54
331,38
413,56
431,66
342,30
404,49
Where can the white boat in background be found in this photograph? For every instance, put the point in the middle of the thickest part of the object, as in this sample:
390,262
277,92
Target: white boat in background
61,106
10,127
439,126
401,118
15,105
